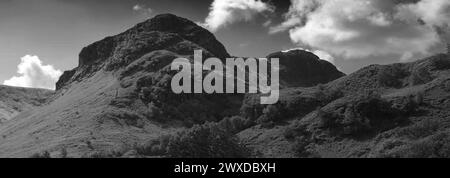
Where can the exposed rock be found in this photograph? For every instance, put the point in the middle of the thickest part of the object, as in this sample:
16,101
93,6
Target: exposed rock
65,77
163,32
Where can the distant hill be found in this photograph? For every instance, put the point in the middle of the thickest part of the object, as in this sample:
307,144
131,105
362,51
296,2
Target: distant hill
14,100
299,68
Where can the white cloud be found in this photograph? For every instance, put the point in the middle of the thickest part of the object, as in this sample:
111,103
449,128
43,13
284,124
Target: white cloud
225,12
143,9
319,53
363,28
33,74
137,7
432,12
324,55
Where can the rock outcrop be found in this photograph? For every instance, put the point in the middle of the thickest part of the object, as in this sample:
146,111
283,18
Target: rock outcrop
163,32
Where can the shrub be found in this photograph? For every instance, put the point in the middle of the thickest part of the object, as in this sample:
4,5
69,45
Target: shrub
44,154
390,76
289,133
326,96
363,114
205,141
324,118
321,87
441,63
420,130
235,124
407,105
420,76
352,123
154,113
303,148
271,115
152,148
446,86
334,94
436,146
294,131
63,153
419,98
106,154
201,141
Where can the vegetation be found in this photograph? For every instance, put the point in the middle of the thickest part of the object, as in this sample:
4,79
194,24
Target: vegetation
364,114
44,154
420,130
271,114
390,76
201,141
235,124
420,76
436,146
64,153
441,63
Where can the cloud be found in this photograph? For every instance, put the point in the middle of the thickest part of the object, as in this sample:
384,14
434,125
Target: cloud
363,28
319,53
142,9
33,74
226,12
324,55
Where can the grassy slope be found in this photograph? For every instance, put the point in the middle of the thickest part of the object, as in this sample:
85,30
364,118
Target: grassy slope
76,121
14,100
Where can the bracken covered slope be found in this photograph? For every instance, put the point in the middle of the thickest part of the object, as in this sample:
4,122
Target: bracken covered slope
398,110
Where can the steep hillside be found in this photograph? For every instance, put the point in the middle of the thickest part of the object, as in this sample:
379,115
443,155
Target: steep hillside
399,110
14,100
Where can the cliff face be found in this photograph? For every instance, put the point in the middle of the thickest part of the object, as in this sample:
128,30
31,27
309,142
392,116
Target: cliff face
163,32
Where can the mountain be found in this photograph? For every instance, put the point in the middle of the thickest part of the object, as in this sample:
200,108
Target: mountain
14,100
120,94
299,68
118,102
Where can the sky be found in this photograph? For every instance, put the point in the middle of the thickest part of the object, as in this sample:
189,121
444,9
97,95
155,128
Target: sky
39,39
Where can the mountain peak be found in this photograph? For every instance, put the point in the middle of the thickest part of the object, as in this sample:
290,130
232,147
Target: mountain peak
189,30
301,68
162,32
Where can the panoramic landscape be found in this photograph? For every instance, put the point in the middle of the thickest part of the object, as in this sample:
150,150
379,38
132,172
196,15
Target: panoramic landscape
357,79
